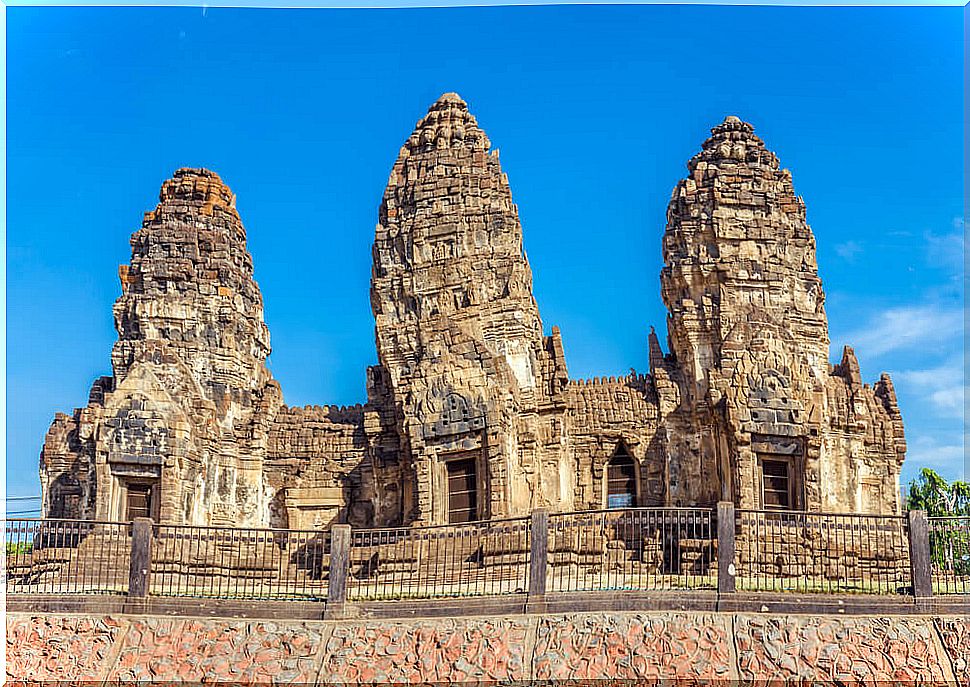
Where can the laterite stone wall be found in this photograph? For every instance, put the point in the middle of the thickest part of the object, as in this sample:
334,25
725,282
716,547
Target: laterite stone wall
694,648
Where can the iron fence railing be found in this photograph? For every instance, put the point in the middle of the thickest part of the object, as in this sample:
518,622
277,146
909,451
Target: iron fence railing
632,549
636,549
950,554
783,551
468,559
67,556
238,563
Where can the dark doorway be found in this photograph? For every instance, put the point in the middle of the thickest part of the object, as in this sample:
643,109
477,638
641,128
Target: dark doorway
141,501
621,481
776,484
462,490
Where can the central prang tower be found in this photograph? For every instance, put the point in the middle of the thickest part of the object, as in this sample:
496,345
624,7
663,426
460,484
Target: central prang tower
458,331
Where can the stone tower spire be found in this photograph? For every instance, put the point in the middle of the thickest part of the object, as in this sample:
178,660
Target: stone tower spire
189,289
746,321
738,251
749,335
178,432
449,246
458,330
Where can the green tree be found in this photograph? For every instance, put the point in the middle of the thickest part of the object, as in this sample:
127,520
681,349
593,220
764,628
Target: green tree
949,539
932,493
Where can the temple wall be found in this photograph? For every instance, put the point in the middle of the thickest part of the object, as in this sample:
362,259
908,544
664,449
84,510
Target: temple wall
863,445
67,474
315,466
602,414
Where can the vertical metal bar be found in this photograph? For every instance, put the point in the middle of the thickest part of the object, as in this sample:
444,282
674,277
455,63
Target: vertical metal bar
277,586
76,557
450,534
237,579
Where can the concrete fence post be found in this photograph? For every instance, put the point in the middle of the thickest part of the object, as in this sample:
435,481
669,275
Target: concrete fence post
919,554
339,570
725,548
538,553
140,562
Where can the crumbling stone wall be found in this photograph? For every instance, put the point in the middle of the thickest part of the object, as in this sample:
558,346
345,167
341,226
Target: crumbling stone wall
318,466
604,415
465,371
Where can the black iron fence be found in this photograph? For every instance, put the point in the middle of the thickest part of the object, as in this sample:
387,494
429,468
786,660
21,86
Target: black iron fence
785,551
239,563
472,559
632,549
950,554
67,556
636,549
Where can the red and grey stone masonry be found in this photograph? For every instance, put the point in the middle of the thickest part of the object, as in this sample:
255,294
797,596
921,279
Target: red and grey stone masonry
692,648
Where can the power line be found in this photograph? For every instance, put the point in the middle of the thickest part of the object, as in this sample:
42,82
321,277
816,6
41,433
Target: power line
23,498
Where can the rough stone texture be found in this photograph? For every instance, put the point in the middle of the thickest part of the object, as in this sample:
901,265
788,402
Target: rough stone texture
955,633
59,648
690,648
693,649
427,652
749,343
182,408
458,330
310,492
603,414
465,370
838,650
196,650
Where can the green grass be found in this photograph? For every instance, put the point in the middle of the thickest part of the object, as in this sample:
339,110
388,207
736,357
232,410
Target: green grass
19,548
814,586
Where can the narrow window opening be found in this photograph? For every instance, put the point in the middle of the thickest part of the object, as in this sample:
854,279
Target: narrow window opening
462,490
776,484
140,501
621,481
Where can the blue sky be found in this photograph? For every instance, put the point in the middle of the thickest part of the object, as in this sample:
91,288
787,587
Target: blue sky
595,109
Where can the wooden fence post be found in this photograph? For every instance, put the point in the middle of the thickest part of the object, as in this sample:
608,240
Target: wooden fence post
919,554
140,562
725,548
339,570
538,554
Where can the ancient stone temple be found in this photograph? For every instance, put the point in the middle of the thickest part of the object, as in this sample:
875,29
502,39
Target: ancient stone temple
470,413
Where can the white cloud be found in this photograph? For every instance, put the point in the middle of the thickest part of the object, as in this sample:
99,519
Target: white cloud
949,400
905,328
946,250
942,386
848,250
944,454
951,369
